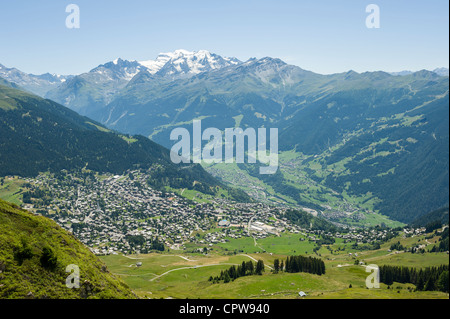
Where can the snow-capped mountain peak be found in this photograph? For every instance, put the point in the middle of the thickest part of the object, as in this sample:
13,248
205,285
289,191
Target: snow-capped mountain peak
118,69
154,66
184,63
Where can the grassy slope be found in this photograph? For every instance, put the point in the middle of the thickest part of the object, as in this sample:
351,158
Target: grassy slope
11,190
184,282
17,281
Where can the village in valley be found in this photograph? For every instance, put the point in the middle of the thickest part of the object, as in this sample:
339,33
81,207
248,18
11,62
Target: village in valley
177,243
114,214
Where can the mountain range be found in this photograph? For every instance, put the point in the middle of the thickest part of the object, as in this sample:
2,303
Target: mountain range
366,142
38,84
438,71
170,65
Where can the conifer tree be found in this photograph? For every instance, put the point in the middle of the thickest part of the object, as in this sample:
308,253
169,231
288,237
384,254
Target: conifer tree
259,267
276,265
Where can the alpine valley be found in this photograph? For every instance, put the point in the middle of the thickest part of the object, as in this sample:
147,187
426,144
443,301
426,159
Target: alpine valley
86,178
355,146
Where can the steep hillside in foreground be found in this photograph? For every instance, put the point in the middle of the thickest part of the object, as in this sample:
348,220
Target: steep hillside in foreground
34,254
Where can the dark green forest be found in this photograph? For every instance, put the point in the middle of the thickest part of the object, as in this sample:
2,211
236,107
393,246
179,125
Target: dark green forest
427,279
245,269
295,264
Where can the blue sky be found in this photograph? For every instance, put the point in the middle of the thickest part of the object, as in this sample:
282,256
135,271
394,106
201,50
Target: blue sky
325,36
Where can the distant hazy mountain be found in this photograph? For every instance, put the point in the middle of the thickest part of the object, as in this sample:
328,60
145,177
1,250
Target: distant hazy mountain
402,73
95,88
37,84
438,71
441,71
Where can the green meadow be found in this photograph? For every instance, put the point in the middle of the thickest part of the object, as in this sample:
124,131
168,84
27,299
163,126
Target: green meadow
185,275
11,190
